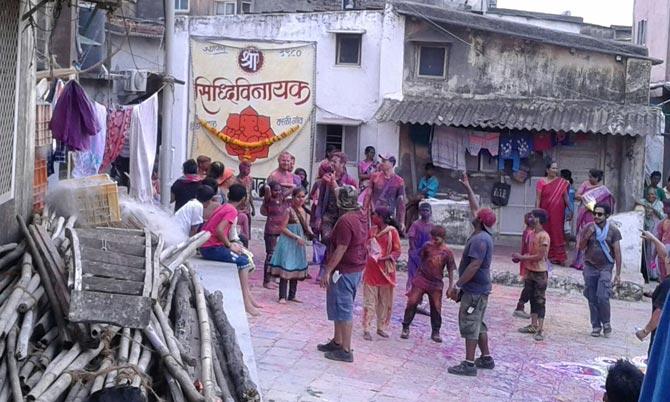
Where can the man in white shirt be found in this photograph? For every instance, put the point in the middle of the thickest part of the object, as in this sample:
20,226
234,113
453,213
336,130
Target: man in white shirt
189,217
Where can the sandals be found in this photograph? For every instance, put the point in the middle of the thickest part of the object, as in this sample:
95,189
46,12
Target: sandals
528,329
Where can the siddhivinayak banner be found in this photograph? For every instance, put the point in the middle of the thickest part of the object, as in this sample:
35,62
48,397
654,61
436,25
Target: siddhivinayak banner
251,100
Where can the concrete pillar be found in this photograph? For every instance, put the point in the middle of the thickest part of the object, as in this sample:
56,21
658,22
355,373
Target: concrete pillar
632,171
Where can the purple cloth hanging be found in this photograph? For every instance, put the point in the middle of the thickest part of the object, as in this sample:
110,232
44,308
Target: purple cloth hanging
74,119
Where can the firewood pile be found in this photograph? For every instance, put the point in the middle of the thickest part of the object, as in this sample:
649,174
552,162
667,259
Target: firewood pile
186,351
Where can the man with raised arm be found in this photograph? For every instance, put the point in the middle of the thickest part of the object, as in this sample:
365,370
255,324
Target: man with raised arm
473,287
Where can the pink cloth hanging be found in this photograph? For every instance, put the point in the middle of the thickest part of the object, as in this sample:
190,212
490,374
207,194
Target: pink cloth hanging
118,125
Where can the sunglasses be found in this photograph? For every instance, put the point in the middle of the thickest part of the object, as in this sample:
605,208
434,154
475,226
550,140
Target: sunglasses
598,214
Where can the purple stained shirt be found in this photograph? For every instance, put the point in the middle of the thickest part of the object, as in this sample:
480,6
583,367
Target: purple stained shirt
74,118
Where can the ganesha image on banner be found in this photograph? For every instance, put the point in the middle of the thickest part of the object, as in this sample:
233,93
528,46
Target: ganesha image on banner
248,127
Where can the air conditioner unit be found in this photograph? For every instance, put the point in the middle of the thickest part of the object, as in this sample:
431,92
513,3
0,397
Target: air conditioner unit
135,80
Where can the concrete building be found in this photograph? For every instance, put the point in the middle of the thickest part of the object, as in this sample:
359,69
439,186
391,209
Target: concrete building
467,72
17,118
347,94
651,28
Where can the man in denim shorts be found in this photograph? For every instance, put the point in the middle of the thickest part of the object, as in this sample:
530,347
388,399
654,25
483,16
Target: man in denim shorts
343,272
473,288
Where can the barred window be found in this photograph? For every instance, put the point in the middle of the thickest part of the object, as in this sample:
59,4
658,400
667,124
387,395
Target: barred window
9,44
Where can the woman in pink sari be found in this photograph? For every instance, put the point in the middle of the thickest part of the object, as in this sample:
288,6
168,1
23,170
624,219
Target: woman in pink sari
552,196
590,193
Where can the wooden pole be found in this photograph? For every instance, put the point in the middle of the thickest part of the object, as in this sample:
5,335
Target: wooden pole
24,335
205,337
46,282
12,369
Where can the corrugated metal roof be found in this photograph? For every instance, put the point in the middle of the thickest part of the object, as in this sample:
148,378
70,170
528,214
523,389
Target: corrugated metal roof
451,16
526,114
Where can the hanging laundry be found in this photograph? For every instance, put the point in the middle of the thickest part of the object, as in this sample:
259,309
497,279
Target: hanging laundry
514,146
87,163
74,119
118,125
478,140
143,138
542,142
448,147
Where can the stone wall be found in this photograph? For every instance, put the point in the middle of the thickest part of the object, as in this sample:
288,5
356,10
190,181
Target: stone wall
510,66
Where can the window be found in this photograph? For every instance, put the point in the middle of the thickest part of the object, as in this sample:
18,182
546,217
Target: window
348,49
344,138
641,34
181,5
246,7
432,61
226,8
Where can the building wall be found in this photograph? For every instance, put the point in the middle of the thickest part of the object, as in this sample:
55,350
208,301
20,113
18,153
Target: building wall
504,65
657,15
25,138
350,92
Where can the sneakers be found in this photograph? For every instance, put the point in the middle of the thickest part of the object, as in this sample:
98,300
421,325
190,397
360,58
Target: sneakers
528,329
405,333
435,336
539,337
596,332
521,314
607,330
485,362
340,355
464,368
367,336
331,346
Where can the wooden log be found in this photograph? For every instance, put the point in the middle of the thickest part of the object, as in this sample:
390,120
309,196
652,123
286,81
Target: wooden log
185,320
173,250
60,224
27,368
8,291
194,243
74,391
207,372
44,324
221,377
121,357
168,335
13,255
143,365
49,354
135,348
9,307
54,303
64,380
7,277
4,394
3,375
30,300
167,307
53,261
12,369
48,338
176,394
245,388
54,370
172,366
83,394
24,335
99,381
32,381
220,360
8,247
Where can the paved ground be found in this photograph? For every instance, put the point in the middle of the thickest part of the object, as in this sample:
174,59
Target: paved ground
568,366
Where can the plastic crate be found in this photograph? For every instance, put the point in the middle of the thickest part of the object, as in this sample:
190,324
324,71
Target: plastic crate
43,118
97,199
40,176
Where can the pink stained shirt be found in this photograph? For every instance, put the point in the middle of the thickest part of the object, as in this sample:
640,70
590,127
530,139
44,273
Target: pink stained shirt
225,212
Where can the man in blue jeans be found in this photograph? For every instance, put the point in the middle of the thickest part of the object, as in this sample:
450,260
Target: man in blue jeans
602,251
343,272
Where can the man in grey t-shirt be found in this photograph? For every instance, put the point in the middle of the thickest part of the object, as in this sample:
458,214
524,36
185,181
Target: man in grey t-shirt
473,288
